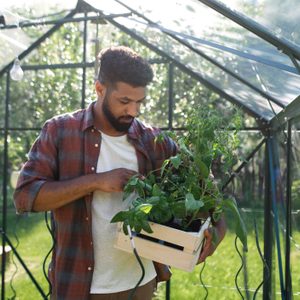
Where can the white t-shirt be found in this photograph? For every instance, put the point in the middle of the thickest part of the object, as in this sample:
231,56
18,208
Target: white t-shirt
114,270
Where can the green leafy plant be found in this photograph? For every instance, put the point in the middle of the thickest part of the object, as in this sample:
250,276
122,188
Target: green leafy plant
183,190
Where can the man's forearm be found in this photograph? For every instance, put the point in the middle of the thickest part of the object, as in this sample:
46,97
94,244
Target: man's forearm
55,194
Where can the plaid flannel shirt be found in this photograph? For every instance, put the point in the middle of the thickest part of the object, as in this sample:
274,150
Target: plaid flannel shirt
67,147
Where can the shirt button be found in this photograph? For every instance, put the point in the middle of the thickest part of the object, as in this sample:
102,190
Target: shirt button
92,130
92,168
90,268
96,145
87,218
91,243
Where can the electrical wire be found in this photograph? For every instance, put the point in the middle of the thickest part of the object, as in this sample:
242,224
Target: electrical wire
262,258
13,258
48,254
201,280
240,269
130,297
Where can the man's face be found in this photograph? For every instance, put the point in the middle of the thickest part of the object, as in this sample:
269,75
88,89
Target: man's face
121,105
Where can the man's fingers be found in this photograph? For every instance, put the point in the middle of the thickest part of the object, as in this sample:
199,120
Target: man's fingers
207,249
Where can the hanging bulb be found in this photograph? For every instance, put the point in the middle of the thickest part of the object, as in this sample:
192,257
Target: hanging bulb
16,72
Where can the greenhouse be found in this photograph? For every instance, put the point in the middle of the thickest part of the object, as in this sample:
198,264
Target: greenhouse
239,55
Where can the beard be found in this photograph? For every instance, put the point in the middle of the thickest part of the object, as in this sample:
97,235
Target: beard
121,124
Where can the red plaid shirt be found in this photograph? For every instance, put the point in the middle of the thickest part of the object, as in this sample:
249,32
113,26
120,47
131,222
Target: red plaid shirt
67,148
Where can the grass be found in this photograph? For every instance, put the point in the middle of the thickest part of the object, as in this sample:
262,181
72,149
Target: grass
218,275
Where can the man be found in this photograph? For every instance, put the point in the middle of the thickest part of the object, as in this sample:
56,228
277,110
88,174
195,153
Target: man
77,168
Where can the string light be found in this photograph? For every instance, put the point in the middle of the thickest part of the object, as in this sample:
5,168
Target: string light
16,72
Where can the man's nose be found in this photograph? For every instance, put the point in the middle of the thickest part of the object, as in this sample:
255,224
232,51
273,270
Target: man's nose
133,109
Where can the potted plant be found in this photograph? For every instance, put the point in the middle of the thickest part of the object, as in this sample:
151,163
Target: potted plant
182,194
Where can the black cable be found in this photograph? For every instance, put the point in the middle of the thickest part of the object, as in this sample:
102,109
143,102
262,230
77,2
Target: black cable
202,282
48,254
130,297
240,269
13,259
262,258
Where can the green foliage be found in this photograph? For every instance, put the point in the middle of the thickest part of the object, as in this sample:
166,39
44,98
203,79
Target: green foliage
185,191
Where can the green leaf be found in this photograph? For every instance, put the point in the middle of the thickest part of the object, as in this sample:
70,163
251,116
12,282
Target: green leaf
204,171
163,167
240,228
191,204
153,200
145,225
183,148
176,161
145,208
178,209
120,217
156,190
133,180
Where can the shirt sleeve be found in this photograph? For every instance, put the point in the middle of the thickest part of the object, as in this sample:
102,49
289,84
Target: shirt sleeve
40,168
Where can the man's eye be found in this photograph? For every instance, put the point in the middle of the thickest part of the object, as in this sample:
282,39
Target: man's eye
124,102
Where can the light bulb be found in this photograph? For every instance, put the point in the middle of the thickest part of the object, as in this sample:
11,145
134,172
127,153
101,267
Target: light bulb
16,72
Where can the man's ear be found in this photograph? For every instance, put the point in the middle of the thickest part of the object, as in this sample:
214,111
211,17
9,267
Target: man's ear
100,89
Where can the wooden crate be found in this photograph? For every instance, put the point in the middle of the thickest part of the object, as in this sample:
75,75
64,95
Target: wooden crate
166,245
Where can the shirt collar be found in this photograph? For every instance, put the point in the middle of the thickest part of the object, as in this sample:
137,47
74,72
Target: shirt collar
88,118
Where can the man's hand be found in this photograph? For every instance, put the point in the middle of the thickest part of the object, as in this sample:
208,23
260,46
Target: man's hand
114,180
213,237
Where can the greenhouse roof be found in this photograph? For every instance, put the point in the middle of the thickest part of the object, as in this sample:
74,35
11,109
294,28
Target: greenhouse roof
248,51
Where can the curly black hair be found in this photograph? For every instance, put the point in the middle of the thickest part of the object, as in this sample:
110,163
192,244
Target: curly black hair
123,64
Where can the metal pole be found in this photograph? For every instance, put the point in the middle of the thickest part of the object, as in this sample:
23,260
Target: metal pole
168,289
268,231
288,283
171,95
84,61
4,185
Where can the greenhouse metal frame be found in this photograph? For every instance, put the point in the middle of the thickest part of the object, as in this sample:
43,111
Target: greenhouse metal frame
269,123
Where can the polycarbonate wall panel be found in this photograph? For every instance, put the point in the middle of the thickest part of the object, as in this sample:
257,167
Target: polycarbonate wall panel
43,94
248,185
294,172
198,24
2,99
282,17
15,41
64,46
209,72
283,85
193,18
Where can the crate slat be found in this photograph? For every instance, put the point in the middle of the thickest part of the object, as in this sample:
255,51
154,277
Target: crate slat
184,259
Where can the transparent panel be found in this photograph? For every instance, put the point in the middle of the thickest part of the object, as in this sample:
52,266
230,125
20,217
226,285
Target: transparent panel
197,20
15,41
155,109
64,46
295,188
283,85
217,32
108,35
189,94
43,94
235,90
2,99
270,14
